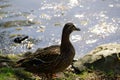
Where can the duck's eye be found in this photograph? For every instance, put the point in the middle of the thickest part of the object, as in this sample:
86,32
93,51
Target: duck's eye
70,28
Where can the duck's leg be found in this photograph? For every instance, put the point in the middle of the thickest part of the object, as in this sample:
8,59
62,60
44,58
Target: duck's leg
49,76
43,78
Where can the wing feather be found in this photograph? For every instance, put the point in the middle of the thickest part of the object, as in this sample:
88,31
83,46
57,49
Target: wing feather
41,56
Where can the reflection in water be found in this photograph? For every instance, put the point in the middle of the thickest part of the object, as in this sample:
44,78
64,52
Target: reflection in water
43,21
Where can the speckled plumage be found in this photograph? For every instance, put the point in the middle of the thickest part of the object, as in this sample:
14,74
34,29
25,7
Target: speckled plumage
52,59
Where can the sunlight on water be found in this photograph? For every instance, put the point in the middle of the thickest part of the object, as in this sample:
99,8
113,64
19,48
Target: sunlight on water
73,3
91,41
76,38
104,29
43,21
79,16
45,16
31,17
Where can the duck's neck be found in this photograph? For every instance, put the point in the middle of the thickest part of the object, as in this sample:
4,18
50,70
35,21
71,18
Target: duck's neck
65,39
65,44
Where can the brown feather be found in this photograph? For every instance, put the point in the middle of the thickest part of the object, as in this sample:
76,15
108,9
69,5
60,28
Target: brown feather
51,59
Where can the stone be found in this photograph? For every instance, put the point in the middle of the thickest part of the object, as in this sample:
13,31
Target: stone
105,58
21,38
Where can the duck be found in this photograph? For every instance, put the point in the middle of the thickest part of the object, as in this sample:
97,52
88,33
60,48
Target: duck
52,59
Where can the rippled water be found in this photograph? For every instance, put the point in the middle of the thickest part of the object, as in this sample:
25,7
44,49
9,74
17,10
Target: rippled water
43,20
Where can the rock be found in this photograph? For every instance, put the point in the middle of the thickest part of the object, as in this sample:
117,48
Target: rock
29,45
3,64
19,39
18,23
104,58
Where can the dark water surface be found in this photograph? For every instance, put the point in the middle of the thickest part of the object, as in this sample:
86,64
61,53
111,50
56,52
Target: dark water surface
43,20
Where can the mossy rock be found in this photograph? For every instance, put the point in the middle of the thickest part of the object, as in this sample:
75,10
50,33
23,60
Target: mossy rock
104,58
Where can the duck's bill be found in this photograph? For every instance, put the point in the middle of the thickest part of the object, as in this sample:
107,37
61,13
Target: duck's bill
77,29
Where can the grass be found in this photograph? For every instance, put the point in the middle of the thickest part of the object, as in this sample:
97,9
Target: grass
10,73
7,74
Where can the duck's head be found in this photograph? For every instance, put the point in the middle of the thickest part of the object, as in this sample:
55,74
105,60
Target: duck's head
70,27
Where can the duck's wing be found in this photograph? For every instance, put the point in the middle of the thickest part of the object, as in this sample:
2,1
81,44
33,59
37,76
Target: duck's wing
41,56
48,54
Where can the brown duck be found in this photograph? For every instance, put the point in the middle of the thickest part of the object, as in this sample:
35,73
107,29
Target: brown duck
52,59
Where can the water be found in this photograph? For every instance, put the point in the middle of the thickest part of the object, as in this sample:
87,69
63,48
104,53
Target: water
43,20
